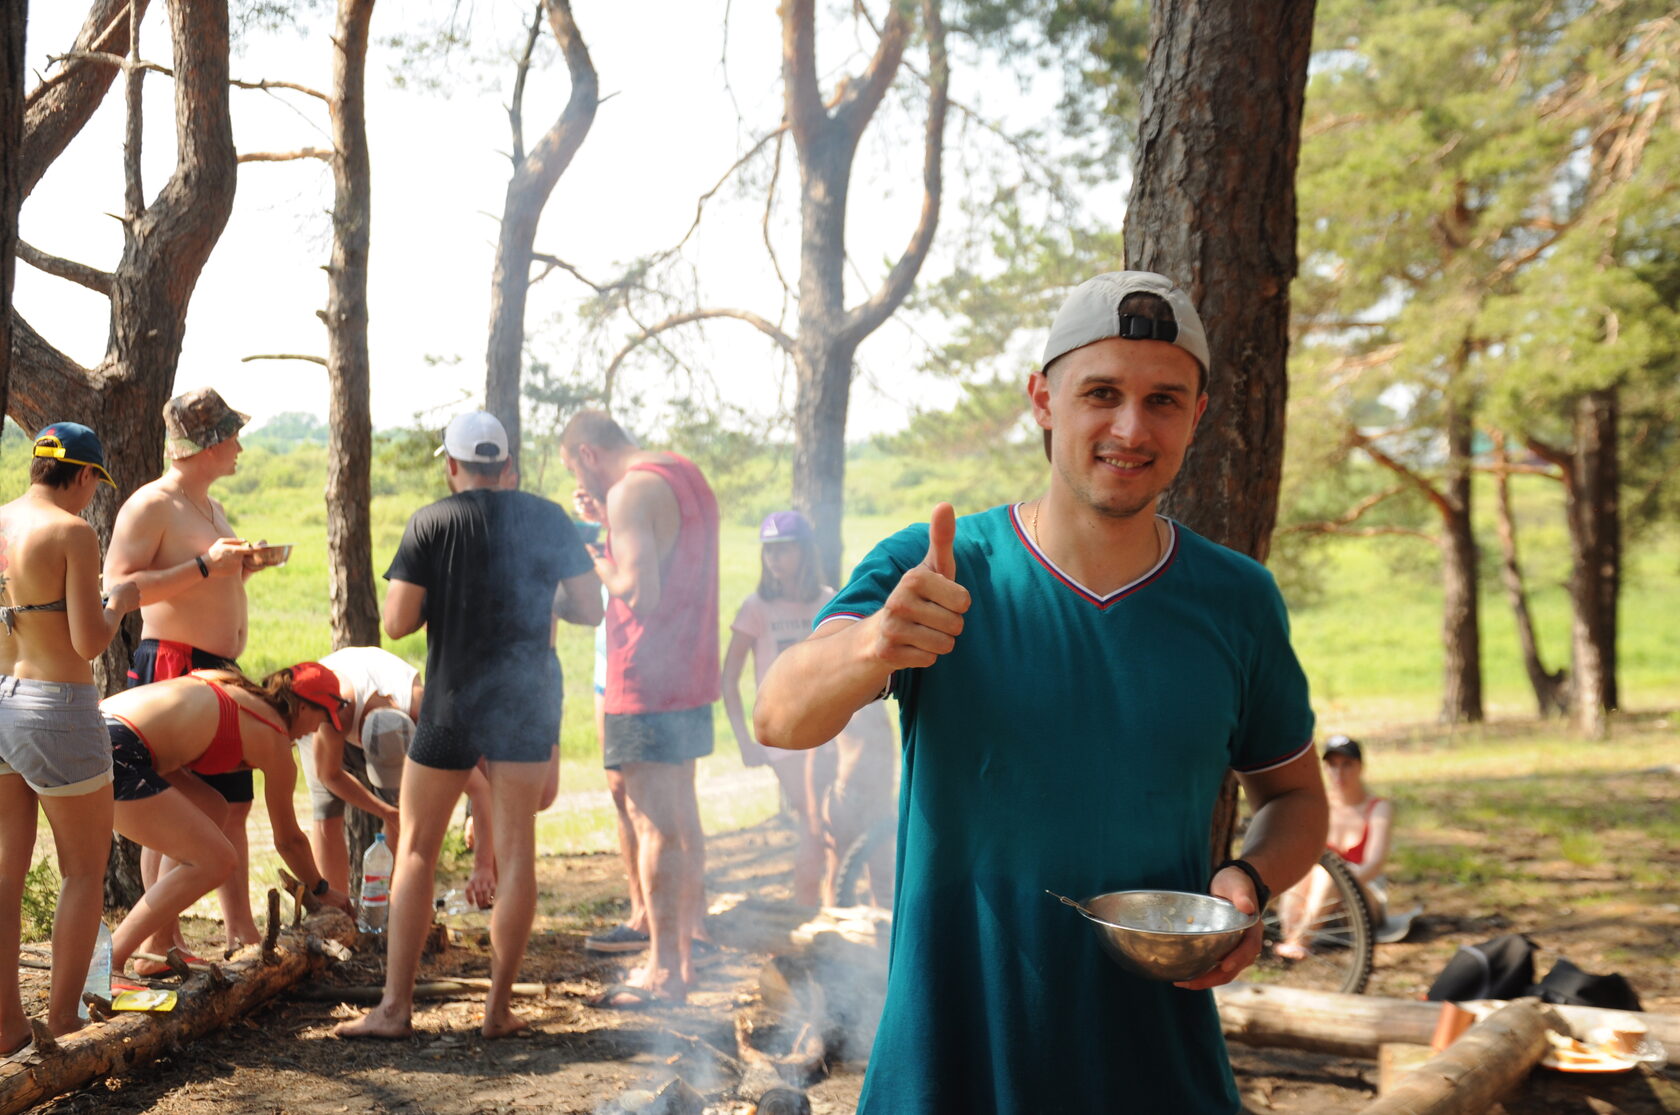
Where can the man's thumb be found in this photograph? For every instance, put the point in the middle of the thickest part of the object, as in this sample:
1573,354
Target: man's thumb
942,532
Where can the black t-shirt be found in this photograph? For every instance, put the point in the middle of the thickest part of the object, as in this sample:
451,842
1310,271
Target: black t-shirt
489,561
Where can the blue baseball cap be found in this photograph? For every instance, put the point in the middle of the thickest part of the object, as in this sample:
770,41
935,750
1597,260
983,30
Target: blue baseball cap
785,526
74,444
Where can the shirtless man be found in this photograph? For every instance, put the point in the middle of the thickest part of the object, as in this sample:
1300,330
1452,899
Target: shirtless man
661,569
175,543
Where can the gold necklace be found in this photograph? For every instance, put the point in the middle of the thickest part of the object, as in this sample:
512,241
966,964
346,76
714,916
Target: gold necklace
209,516
1160,543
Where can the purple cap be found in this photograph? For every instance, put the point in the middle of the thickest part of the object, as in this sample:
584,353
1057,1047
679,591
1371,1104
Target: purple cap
784,526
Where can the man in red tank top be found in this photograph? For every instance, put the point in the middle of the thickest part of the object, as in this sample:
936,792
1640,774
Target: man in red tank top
660,566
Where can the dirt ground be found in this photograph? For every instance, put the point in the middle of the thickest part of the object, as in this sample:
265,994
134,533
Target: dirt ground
577,1058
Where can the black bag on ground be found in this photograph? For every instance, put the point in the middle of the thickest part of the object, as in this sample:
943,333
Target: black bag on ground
1566,983
1502,968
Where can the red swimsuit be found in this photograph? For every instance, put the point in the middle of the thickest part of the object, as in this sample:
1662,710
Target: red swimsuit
1355,853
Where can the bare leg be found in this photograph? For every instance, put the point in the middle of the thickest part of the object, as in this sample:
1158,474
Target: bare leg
81,828
201,855
426,803
17,849
235,894
630,849
214,806
332,855
152,865
694,869
1307,901
655,793
516,791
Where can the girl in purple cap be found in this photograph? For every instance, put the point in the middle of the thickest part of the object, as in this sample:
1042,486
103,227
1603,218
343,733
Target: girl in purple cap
53,749
835,792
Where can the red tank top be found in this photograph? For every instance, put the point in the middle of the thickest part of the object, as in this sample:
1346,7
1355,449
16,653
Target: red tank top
226,752
669,661
1355,853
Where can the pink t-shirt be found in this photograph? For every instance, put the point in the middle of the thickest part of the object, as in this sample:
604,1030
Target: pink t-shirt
773,626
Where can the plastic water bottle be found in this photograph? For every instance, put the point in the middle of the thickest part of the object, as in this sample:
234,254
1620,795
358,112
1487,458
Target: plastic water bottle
99,970
455,907
376,886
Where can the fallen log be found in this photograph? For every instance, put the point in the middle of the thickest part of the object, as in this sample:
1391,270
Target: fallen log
136,1037
1356,1025
1474,1072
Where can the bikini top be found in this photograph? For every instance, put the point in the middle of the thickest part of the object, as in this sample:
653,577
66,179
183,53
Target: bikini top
1355,853
227,748
9,611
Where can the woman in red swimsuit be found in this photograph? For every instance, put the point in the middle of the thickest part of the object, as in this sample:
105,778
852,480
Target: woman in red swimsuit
163,736
1361,829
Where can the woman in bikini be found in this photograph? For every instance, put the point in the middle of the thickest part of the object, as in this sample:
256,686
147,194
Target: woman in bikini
163,735
53,750
1361,831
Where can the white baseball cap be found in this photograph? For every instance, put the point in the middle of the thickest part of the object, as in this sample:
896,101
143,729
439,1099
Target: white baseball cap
476,435
1092,313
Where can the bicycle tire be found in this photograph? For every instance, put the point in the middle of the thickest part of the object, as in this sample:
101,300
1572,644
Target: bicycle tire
854,864
1342,941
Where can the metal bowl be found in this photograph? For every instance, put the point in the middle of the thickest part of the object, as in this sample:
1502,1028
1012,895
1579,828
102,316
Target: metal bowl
1166,935
269,556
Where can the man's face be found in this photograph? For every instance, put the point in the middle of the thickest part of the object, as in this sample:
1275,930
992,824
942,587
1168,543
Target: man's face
1122,414
225,455
584,464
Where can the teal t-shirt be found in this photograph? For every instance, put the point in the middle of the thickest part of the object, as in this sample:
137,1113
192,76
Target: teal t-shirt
1075,743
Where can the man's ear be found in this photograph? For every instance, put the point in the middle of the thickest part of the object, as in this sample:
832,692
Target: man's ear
452,465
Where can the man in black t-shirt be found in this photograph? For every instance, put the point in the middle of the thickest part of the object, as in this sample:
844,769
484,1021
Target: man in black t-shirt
485,571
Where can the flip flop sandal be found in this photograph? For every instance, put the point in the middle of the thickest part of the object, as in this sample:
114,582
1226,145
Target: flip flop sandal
627,996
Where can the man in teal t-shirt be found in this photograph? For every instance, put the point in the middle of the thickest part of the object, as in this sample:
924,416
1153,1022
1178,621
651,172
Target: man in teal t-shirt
1075,675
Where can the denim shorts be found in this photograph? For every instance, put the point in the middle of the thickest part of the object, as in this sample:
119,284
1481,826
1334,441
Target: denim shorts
656,737
52,735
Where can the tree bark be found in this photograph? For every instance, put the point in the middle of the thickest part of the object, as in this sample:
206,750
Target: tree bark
351,593
825,139
1215,211
132,1039
1548,685
1595,551
13,20
534,178
1461,682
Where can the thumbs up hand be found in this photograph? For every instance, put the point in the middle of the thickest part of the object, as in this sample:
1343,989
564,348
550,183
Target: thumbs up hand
924,615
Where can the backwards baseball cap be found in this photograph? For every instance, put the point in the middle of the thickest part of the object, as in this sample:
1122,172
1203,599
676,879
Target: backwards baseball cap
1092,313
784,526
1342,745
74,444
197,420
319,686
476,435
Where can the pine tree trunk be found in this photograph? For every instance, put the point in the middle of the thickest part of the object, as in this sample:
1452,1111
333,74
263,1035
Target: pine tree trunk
351,592
12,24
1595,550
1461,682
534,178
1548,685
1214,210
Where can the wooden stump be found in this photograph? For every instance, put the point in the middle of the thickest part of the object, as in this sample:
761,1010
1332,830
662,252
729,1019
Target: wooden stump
1471,1074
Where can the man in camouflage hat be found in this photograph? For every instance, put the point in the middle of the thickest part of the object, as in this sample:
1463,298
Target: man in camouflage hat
175,543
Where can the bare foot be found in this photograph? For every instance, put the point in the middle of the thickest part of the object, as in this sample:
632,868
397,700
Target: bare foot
1290,950
504,1024
67,1027
382,1022
15,1043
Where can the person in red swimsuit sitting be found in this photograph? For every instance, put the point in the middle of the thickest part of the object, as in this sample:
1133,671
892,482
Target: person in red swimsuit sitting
164,736
1361,830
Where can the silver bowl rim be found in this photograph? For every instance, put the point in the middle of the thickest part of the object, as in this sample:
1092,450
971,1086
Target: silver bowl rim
1245,925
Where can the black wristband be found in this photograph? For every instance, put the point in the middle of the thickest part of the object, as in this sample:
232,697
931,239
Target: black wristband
1262,893
203,570
321,887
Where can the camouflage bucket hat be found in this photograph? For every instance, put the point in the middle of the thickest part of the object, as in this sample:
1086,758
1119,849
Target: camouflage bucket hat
197,420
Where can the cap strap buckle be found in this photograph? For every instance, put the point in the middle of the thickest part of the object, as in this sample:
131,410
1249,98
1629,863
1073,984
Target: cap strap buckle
1136,328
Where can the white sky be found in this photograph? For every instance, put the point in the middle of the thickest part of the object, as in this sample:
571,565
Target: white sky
440,171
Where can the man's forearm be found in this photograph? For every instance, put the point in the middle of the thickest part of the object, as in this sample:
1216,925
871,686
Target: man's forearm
158,585
814,687
1286,837
351,792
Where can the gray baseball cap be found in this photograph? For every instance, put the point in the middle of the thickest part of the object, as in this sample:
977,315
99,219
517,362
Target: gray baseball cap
1092,313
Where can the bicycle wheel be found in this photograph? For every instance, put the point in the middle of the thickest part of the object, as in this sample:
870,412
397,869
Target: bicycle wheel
876,849
1339,940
